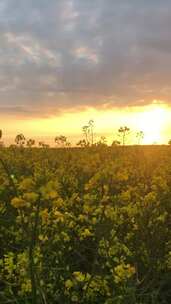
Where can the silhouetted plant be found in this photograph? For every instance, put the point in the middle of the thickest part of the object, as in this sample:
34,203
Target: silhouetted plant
91,128
86,132
139,136
123,133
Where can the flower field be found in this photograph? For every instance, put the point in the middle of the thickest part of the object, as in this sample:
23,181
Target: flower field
85,225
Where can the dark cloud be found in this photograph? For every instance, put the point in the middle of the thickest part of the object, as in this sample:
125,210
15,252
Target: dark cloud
61,55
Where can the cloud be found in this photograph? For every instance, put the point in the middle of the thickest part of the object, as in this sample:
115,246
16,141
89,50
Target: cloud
86,53
71,54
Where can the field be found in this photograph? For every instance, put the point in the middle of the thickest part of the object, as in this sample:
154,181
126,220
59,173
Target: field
85,225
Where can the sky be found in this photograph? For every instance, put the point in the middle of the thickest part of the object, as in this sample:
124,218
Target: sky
64,62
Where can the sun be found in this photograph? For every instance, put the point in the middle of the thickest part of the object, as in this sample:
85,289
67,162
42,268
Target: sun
152,121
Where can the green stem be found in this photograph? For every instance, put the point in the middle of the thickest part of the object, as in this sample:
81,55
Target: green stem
31,255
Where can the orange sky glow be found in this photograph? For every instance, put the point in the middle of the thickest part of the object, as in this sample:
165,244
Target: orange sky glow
154,120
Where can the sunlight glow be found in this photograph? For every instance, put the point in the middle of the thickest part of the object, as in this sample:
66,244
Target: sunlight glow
154,120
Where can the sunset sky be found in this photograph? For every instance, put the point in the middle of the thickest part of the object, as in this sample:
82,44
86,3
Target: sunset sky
64,62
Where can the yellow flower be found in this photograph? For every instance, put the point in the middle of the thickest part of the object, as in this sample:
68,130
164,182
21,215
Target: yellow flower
18,202
79,276
25,287
31,197
44,215
86,233
52,194
68,284
74,298
71,224
27,184
58,203
81,218
65,236
43,238
58,216
94,220
123,272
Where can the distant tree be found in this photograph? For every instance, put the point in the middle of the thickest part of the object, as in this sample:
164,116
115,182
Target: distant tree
43,145
61,141
20,140
115,143
13,146
169,142
30,143
140,136
0,134
123,133
68,144
82,143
